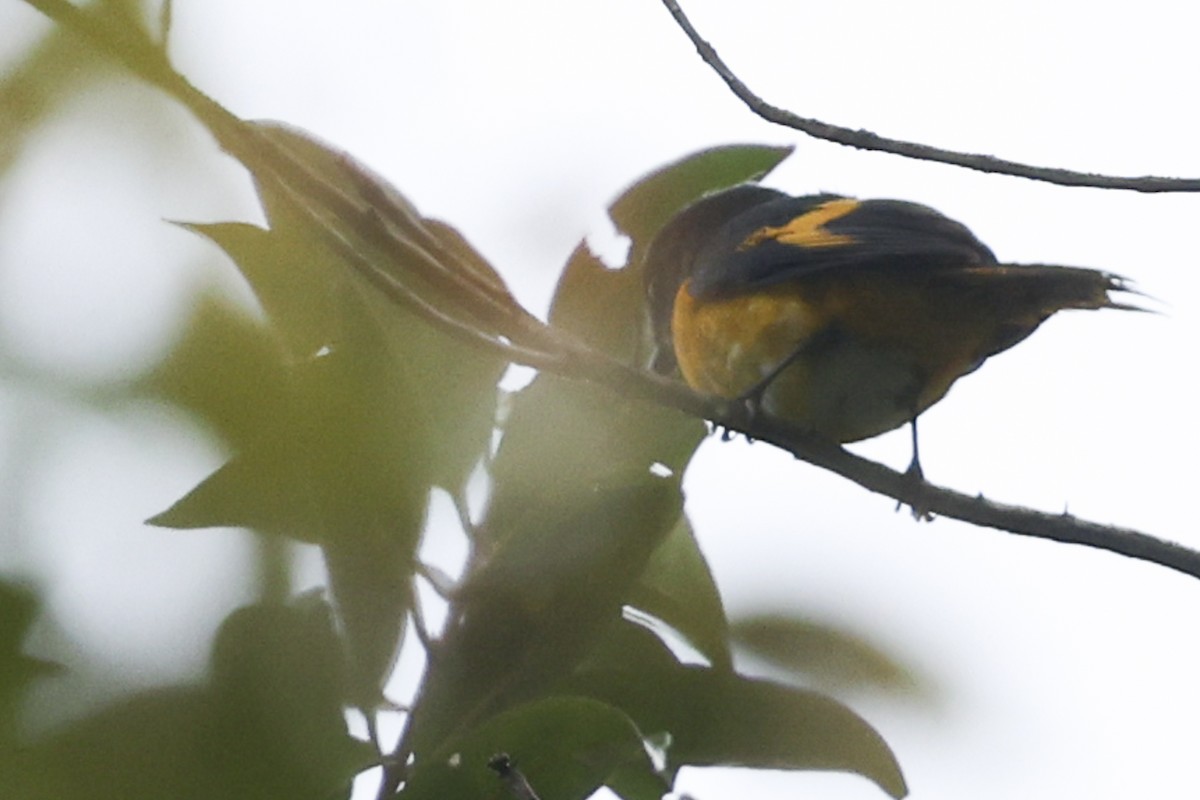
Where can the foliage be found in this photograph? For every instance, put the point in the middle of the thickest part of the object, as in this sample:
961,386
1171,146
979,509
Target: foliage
343,412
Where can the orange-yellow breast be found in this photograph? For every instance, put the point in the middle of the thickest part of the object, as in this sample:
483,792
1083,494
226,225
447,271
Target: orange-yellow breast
871,352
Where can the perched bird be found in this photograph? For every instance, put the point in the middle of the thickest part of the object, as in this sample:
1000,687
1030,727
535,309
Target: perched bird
848,317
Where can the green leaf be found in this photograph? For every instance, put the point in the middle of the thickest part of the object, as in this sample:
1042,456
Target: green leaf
816,652
554,581
375,406
18,608
329,469
267,724
601,306
144,747
371,580
717,718
605,306
643,208
277,688
571,435
297,284
326,467
258,490
566,747
629,645
436,390
391,234
47,75
637,783
678,588
466,256
227,369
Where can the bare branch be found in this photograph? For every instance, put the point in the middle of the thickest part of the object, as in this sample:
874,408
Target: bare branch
866,140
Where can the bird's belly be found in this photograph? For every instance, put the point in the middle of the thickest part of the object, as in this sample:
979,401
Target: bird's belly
846,390
841,385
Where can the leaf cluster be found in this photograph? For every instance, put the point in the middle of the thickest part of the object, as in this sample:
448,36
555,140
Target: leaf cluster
586,637
557,647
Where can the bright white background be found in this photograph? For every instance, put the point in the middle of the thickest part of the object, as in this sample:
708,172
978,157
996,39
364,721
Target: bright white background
1054,671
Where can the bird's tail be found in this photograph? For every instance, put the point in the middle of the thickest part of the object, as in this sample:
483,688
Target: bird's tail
1048,288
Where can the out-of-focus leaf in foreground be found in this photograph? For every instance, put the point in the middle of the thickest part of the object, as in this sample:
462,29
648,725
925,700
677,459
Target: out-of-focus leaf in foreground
267,724
18,607
371,408
566,747
536,606
551,529
227,369
716,718
678,588
821,654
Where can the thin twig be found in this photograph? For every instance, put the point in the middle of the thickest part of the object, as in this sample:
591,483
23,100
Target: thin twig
866,140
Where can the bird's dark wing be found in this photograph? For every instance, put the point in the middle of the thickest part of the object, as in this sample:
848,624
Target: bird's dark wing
672,254
789,238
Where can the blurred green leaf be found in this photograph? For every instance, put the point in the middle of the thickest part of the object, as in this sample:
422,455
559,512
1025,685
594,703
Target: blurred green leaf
556,580
50,74
277,687
565,436
268,724
362,211
643,208
446,389
259,489
566,747
329,468
678,588
371,580
833,658
335,462
226,369
526,609
297,284
466,255
377,406
629,645
18,608
636,783
436,394
340,452
721,718
603,306
146,747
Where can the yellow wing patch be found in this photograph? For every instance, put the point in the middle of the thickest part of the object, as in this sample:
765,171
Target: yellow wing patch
808,230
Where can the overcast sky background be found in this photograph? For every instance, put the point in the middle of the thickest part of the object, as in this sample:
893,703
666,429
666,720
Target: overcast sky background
1057,671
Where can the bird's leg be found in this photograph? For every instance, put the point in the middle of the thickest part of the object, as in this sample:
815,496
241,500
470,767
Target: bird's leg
914,466
916,476
752,398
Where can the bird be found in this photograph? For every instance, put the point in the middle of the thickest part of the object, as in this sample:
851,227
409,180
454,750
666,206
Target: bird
847,317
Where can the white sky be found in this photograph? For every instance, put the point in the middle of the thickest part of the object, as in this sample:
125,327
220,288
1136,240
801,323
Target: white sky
1062,672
